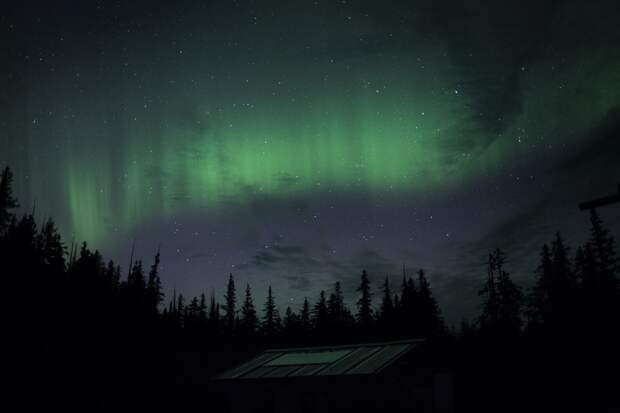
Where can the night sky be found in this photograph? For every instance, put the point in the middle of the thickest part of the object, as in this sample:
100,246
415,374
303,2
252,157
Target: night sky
297,143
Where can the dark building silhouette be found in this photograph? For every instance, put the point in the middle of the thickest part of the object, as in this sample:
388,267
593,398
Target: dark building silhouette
359,377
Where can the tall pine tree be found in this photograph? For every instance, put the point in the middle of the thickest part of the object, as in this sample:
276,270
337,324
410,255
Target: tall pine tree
539,298
230,302
386,311
7,201
319,314
249,320
510,299
271,318
490,304
304,317
431,322
604,248
153,285
599,275
365,317
214,316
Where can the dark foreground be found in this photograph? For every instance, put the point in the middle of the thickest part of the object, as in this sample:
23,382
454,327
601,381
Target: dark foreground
152,374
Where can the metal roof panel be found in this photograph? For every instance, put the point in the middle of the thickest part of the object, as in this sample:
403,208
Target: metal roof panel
349,362
379,359
250,365
282,371
308,357
353,359
258,372
309,370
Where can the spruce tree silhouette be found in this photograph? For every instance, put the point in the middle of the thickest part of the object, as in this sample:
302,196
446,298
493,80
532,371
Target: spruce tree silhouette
202,311
335,305
490,306
407,310
214,317
398,307
604,249
154,287
271,318
385,319
319,318
503,300
180,310
192,314
7,201
249,320
431,323
339,319
113,276
291,326
52,249
599,269
365,317
230,301
305,319
510,300
552,300
539,306
136,299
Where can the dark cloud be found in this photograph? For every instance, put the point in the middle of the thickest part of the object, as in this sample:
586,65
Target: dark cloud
299,283
296,258
597,150
289,250
491,43
515,234
264,258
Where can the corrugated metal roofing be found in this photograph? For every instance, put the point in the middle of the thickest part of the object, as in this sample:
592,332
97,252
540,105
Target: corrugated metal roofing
309,370
346,364
250,365
352,359
308,357
379,359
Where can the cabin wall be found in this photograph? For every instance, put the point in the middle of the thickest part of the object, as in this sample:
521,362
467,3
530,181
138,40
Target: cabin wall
330,394
443,389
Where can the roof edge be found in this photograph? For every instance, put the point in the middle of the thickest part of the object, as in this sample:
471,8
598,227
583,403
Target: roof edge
342,346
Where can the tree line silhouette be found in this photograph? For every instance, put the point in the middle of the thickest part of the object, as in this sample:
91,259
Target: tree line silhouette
569,295
64,294
412,313
69,291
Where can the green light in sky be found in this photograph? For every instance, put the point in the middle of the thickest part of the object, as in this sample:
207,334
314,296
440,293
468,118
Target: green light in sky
379,147
418,137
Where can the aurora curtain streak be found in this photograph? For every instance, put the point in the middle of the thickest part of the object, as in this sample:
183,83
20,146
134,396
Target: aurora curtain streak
108,134
335,149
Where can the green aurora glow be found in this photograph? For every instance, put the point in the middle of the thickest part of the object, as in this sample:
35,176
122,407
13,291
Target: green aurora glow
379,152
381,129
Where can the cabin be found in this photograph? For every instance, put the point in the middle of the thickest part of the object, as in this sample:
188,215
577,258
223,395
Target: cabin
346,378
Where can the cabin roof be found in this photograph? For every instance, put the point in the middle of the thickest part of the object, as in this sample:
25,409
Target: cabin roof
351,359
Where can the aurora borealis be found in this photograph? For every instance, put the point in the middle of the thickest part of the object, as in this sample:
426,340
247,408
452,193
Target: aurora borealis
295,143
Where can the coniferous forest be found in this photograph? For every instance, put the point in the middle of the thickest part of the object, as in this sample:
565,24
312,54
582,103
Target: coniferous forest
80,328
